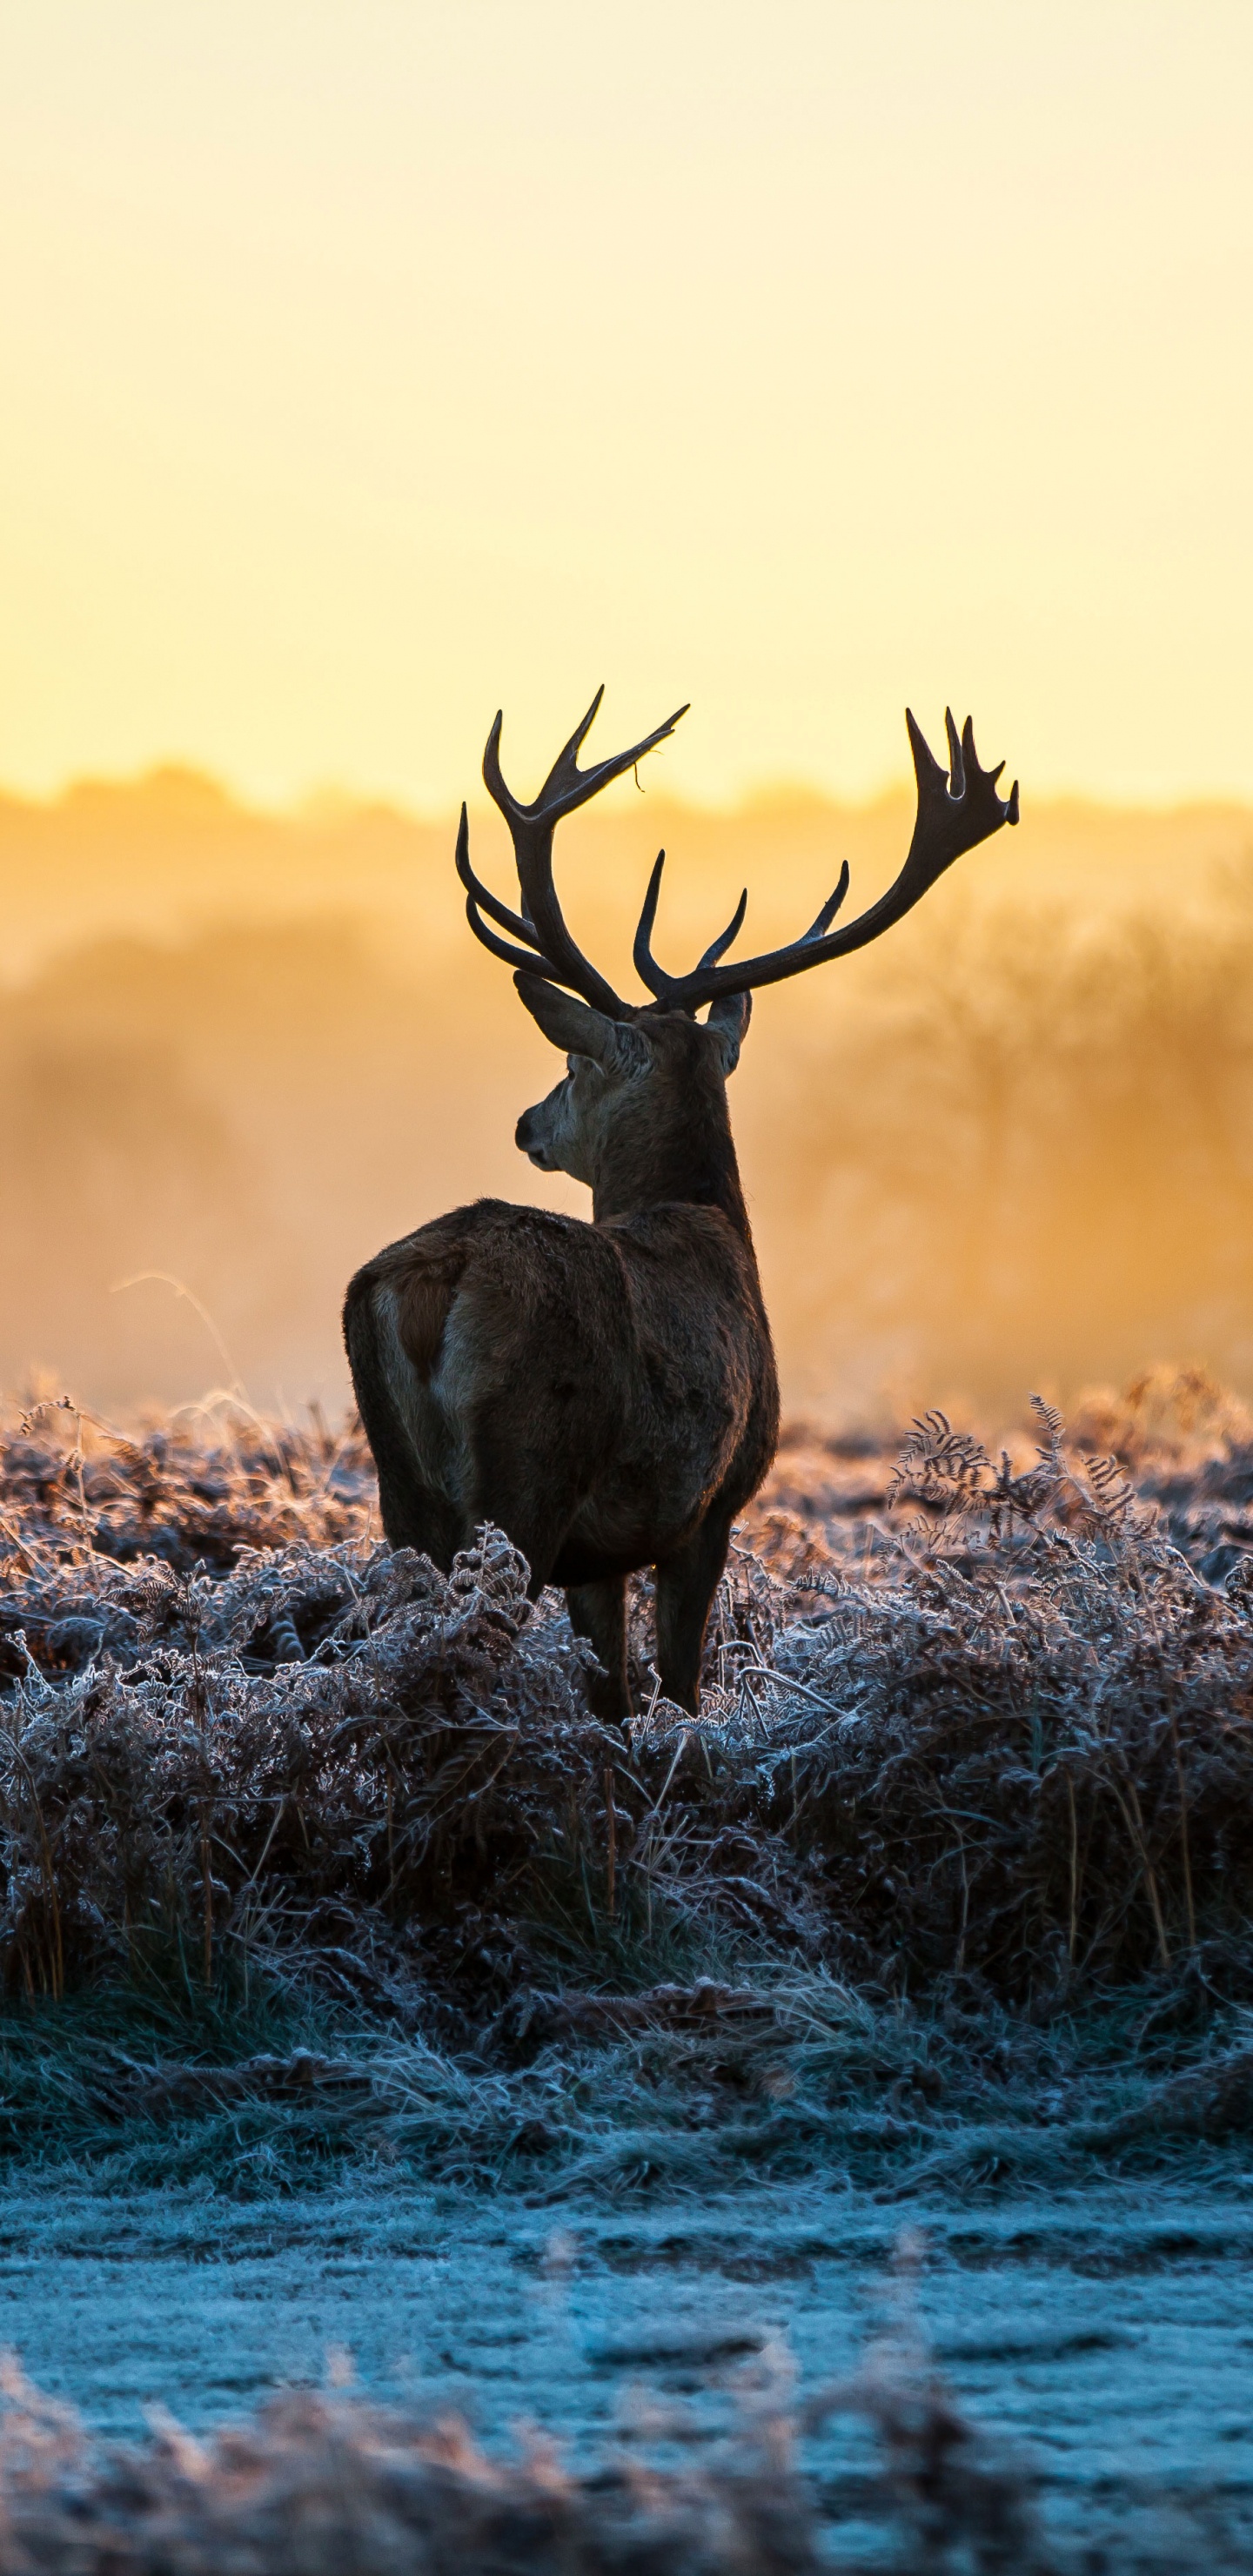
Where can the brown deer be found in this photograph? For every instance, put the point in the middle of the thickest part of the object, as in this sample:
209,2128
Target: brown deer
606,1393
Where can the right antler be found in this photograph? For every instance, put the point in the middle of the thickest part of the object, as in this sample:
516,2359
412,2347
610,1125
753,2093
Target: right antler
549,949
954,814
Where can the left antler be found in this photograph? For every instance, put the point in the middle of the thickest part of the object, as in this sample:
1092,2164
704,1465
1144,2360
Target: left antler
549,949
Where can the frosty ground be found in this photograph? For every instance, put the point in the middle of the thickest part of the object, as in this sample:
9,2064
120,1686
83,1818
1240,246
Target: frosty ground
366,1997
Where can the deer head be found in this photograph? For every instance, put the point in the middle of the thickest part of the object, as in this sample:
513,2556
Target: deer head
641,1114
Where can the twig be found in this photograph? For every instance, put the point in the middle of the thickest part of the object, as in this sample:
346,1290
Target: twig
1184,1836
611,1847
1131,1810
1074,1868
960,1961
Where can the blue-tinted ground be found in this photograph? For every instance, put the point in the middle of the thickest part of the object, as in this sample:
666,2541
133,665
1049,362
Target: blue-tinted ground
1106,2336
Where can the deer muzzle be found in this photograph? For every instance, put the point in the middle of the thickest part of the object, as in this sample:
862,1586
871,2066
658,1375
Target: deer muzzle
531,1139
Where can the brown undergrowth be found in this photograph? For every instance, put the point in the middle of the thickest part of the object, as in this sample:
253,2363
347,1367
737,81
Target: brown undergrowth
976,1745
318,2483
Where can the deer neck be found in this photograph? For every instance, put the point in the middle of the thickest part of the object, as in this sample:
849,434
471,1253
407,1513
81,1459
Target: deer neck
690,1159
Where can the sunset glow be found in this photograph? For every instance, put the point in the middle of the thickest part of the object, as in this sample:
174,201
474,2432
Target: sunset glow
366,368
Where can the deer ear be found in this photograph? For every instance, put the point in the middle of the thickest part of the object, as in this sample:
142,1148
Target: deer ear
729,1018
569,1024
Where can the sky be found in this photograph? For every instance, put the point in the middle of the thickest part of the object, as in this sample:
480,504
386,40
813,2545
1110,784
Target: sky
369,364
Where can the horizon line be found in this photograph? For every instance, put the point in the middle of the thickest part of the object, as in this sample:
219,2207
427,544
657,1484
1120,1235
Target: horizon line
328,804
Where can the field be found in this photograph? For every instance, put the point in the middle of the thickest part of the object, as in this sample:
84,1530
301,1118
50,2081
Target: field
320,1876
354,1973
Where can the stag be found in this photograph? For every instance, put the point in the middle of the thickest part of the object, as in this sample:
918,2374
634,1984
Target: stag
606,1392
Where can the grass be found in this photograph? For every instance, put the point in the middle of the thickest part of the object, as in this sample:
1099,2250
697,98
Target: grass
311,1854
782,2075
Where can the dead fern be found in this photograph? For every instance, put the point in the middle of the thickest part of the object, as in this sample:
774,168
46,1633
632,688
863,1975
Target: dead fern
1009,1742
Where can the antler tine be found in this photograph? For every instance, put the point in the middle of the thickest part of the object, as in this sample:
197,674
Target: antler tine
530,960
566,765
573,971
828,912
953,816
658,981
718,947
480,900
666,986
956,765
646,966
955,813
481,896
968,750
567,786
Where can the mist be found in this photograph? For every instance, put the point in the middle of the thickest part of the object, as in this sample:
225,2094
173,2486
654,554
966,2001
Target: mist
1011,1148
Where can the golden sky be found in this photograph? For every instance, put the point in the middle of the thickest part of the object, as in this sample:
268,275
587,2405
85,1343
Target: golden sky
370,363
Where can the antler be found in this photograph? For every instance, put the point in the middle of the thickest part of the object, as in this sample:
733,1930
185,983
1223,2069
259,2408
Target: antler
956,810
548,947
955,813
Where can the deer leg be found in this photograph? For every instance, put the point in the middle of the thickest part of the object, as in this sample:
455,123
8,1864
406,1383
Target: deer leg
598,1612
686,1584
414,1516
528,1492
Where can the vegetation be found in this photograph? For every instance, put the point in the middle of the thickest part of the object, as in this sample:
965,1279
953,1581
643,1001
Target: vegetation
318,2483
311,1852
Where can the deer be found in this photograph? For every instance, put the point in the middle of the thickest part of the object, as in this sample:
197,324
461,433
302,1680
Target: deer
604,1391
